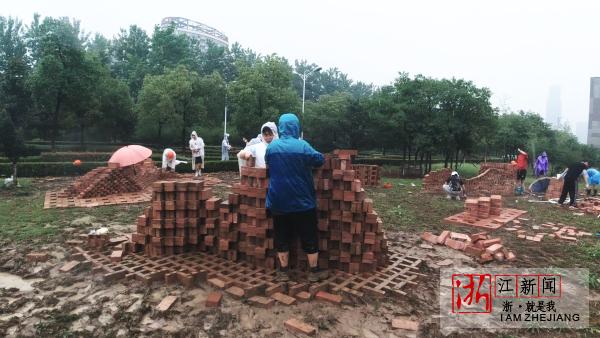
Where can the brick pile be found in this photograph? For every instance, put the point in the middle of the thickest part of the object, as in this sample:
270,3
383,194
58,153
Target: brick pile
111,180
547,230
493,179
369,175
479,245
590,205
175,222
351,235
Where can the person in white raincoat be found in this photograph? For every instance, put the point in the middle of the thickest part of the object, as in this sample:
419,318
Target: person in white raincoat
257,147
169,160
197,148
225,148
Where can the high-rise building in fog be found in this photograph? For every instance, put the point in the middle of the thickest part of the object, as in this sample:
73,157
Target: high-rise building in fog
197,30
594,118
553,107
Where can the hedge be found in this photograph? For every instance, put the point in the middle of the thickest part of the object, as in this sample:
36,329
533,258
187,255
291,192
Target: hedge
40,169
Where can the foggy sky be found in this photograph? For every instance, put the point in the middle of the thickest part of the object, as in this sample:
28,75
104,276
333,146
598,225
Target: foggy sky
518,49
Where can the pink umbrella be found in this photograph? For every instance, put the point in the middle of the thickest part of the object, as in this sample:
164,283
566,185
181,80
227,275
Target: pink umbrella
129,155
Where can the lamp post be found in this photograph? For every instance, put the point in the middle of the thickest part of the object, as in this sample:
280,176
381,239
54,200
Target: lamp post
226,103
304,75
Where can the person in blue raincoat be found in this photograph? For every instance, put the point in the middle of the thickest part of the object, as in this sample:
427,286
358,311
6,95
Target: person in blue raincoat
291,196
593,181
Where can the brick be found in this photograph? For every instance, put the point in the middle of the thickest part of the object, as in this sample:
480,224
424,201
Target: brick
492,249
69,266
405,324
116,256
456,245
511,256
492,241
459,236
303,296
328,297
166,303
218,283
298,326
284,299
37,257
473,250
235,292
214,299
443,237
486,257
479,236
429,237
499,256
260,301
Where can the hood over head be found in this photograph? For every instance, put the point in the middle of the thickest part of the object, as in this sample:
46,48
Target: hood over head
289,126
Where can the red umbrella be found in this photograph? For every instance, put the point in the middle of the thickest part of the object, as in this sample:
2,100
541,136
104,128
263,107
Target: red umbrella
129,155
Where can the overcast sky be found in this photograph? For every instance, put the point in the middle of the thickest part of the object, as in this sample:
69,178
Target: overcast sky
518,49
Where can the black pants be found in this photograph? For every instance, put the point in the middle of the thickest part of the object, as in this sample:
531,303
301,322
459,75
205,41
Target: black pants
302,224
568,188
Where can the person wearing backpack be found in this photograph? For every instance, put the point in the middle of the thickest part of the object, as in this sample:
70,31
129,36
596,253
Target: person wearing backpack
454,187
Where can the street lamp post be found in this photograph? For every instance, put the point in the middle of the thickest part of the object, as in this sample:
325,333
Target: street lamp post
304,75
226,104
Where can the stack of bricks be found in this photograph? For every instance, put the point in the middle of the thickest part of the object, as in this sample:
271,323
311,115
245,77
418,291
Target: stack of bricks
175,222
482,207
478,245
351,235
369,175
433,181
554,189
105,181
255,228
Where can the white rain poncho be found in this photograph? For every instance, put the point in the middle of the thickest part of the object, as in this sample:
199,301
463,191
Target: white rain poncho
225,148
170,163
257,147
197,148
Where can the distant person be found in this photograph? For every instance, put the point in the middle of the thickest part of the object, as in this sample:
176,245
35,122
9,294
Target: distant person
291,196
454,186
225,147
570,176
258,150
169,160
197,148
522,164
541,165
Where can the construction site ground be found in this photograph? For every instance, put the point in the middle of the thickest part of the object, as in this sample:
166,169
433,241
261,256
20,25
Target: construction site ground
37,300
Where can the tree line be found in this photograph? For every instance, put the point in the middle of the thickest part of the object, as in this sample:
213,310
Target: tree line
58,82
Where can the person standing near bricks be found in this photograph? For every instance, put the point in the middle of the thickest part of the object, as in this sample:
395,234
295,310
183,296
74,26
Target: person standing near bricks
169,160
291,196
522,164
570,176
197,148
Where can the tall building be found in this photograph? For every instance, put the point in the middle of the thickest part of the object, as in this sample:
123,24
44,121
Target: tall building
594,118
196,30
553,106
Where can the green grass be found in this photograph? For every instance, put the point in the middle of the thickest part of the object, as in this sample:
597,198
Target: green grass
22,217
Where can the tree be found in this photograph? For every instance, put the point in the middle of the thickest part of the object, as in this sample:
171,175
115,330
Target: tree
58,51
261,93
15,96
172,99
115,116
168,50
129,52
11,140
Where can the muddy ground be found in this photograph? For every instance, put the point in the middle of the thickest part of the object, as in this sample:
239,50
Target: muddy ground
37,300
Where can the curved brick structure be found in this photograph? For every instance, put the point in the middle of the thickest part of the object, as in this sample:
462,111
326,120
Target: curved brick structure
493,179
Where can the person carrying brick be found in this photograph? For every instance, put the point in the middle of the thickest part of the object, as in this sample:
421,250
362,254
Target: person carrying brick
522,164
169,160
291,196
268,133
454,186
570,176
197,148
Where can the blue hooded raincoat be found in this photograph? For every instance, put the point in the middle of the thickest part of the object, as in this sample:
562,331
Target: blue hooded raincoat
290,162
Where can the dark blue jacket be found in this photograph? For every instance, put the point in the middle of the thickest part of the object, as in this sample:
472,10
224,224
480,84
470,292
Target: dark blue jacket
290,162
